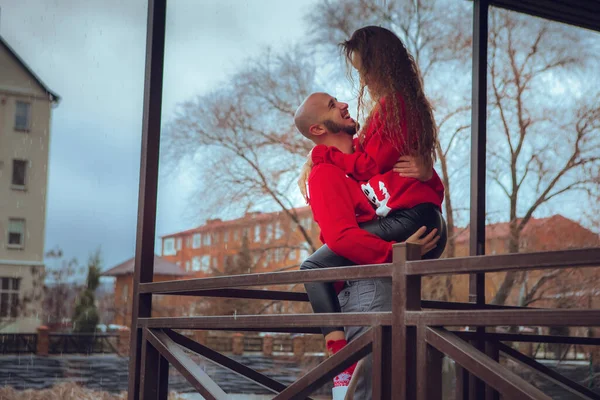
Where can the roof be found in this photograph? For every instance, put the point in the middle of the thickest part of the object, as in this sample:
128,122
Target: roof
53,96
501,230
161,267
583,13
246,219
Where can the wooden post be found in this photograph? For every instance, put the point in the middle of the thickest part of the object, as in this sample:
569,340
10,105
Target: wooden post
267,345
406,295
43,341
298,347
123,341
237,344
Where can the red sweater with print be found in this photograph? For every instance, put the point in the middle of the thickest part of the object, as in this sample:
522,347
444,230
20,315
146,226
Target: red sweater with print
372,163
338,206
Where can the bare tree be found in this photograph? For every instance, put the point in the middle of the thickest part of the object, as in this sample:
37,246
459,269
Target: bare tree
241,139
60,290
537,150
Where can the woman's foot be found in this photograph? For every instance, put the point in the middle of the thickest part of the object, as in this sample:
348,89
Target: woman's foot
342,380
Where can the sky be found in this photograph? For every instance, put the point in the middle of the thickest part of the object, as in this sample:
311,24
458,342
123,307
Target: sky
92,53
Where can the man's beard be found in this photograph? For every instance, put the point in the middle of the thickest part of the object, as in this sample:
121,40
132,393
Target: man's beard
337,128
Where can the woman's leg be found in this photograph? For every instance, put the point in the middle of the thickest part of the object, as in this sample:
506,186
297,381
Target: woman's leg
322,295
401,224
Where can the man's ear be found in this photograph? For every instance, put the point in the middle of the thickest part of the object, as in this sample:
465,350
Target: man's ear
317,130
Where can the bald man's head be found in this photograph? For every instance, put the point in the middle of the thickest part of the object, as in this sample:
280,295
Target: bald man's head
321,113
310,113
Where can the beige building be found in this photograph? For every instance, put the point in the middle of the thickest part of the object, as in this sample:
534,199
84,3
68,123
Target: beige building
25,110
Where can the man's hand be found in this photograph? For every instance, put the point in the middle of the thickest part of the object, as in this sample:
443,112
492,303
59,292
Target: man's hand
414,167
427,243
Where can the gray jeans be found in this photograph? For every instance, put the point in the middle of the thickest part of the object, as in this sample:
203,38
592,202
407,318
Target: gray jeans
363,296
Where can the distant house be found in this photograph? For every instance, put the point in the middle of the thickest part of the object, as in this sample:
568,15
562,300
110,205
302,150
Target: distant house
25,109
274,240
123,293
540,234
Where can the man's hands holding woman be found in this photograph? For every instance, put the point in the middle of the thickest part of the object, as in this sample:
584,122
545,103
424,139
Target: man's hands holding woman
427,243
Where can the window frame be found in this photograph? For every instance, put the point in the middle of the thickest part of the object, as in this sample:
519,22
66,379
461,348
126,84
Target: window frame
18,128
12,308
17,186
172,246
21,245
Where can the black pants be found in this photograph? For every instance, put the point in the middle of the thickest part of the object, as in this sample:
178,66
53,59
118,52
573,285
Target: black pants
397,226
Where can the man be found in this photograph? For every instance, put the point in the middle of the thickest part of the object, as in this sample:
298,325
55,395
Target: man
349,228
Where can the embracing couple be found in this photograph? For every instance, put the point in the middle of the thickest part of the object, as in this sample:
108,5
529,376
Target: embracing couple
373,190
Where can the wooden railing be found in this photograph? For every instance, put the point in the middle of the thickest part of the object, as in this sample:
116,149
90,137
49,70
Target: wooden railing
407,343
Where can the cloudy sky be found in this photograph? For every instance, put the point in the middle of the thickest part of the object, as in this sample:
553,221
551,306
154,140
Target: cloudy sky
91,52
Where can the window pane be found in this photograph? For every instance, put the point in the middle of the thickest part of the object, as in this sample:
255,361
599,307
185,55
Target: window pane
5,283
15,283
14,305
22,115
16,231
18,175
4,305
169,247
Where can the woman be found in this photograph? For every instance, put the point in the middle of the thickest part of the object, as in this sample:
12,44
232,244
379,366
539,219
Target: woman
399,124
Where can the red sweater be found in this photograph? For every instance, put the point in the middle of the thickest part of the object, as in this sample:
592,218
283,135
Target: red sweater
372,163
338,206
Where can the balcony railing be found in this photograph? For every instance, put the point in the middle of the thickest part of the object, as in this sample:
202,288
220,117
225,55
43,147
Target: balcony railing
407,343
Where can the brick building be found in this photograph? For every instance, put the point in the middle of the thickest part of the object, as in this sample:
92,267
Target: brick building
275,242
540,234
123,294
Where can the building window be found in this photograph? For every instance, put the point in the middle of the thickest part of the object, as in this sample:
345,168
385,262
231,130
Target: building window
214,262
196,266
125,292
292,255
188,242
205,263
187,266
206,239
257,233
197,240
178,244
236,235
22,116
214,238
169,247
225,236
9,297
304,254
18,174
269,234
307,223
16,232
278,230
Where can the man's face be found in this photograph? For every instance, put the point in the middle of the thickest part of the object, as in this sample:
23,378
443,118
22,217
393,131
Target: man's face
336,117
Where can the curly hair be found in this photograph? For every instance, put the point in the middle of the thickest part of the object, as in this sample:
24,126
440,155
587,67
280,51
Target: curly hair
389,70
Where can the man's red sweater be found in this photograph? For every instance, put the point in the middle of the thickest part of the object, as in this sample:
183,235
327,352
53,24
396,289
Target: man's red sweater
372,163
338,206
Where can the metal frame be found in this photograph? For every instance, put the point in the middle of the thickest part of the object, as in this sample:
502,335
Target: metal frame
407,344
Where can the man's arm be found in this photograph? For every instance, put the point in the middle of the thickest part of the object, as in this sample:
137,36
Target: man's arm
333,209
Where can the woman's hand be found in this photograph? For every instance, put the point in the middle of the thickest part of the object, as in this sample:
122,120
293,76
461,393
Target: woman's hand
414,167
427,243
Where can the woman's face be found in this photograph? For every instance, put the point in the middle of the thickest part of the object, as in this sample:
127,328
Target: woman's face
357,63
